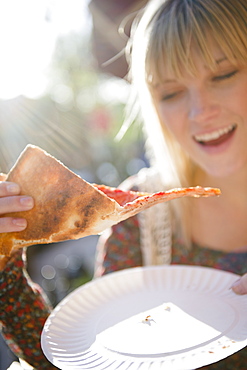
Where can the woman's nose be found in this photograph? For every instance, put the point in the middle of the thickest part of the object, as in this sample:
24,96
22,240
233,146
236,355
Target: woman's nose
202,107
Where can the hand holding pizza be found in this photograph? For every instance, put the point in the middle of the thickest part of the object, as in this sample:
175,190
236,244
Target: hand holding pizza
11,201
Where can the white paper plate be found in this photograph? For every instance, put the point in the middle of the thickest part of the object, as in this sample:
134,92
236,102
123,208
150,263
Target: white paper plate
162,317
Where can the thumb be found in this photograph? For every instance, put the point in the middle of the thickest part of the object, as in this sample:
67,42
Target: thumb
240,286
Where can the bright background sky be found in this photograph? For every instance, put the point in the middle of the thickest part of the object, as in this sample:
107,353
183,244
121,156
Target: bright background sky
28,32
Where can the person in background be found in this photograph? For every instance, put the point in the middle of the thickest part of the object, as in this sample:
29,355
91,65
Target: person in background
188,70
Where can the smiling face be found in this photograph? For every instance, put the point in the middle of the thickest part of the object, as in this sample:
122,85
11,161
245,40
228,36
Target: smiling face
207,112
191,57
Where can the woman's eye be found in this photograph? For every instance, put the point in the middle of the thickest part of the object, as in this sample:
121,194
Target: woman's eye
225,76
170,96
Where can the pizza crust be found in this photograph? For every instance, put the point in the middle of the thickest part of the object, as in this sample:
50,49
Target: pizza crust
68,207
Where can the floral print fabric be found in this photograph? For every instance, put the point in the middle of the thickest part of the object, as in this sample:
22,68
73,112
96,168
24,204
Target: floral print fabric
24,309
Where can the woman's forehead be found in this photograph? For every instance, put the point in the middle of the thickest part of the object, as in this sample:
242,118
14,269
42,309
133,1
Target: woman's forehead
170,70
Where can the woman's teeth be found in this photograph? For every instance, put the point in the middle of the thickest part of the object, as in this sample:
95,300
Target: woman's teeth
205,138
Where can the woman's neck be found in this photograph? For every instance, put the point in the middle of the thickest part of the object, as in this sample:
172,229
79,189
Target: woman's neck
233,187
220,222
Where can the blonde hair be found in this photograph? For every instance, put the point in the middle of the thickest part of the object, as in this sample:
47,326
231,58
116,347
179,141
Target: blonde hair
177,25
164,34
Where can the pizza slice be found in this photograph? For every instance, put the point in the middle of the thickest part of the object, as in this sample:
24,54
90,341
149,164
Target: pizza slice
68,207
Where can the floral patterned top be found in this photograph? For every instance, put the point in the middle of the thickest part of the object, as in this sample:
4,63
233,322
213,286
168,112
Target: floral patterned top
25,308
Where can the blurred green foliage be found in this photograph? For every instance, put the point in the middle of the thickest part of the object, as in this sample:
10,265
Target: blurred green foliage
76,120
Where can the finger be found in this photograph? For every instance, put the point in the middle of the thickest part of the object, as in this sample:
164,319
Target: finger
9,188
240,286
15,204
10,224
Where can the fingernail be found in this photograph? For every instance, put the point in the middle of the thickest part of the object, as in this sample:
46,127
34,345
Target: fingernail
26,201
13,189
20,222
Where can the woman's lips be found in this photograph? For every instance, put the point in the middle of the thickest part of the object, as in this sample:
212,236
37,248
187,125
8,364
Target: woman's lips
216,137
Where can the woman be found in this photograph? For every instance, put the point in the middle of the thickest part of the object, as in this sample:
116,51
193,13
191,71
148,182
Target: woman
189,76
189,73
191,93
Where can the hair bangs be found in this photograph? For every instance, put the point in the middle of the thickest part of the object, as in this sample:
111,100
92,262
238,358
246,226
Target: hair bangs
188,25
